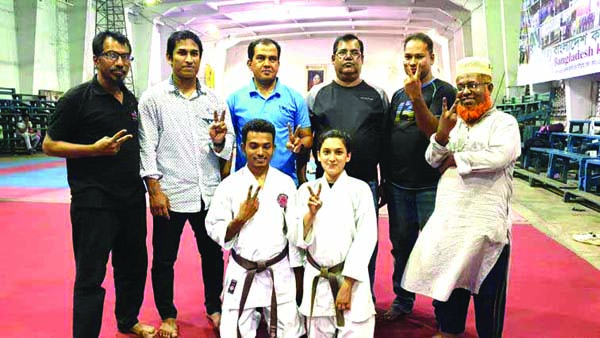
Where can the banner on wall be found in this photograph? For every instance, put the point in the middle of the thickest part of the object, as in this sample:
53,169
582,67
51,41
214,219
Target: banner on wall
559,39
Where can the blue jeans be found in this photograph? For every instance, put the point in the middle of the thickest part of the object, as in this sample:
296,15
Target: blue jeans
409,210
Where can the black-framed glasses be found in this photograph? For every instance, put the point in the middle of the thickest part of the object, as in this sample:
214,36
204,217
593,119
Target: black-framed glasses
355,53
114,56
471,86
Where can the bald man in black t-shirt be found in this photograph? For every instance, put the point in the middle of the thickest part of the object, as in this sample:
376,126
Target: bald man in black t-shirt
349,103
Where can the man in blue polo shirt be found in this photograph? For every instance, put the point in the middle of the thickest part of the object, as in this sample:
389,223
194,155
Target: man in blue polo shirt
266,98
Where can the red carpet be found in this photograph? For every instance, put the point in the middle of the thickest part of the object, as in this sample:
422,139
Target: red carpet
552,292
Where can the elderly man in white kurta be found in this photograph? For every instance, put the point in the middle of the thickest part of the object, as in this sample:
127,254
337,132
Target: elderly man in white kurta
337,225
248,217
464,247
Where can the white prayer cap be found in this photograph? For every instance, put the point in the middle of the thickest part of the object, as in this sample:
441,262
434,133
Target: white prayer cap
474,65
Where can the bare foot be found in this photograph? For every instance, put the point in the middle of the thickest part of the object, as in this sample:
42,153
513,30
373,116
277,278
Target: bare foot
215,319
168,328
143,330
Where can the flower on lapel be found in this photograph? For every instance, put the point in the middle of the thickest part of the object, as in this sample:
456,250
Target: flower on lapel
282,199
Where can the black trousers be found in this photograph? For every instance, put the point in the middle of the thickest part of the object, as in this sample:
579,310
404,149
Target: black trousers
489,304
165,241
96,233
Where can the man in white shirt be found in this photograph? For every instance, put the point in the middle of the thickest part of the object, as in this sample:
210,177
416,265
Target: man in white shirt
464,248
337,225
248,217
29,135
184,132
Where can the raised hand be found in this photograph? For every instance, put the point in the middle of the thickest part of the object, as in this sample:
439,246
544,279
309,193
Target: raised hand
218,129
249,206
314,201
294,143
412,83
111,145
448,118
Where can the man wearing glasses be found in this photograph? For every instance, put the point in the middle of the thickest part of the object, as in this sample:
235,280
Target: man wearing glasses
95,128
463,250
410,181
350,104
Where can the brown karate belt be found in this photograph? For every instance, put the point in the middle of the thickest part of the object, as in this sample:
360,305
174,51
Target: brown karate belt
330,274
252,269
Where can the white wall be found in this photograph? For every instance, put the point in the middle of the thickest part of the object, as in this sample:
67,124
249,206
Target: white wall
9,62
382,63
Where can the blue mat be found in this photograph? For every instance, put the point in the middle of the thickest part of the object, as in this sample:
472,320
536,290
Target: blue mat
43,178
25,160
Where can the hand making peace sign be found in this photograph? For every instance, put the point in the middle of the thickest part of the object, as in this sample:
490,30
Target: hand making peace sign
249,206
412,83
218,128
448,118
314,201
294,143
111,145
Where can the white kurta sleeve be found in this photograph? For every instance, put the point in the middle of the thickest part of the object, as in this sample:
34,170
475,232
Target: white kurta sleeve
503,148
148,135
365,239
220,215
435,153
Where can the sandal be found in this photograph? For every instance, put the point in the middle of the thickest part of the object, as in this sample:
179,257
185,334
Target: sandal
587,238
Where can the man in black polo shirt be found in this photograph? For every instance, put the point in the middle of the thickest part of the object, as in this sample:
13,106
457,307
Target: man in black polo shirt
95,128
349,103
411,183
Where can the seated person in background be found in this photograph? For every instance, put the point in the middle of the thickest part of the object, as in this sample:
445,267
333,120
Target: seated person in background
336,224
26,131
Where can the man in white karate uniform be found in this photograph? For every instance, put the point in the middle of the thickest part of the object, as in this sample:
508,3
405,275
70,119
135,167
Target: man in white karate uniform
464,247
337,225
248,217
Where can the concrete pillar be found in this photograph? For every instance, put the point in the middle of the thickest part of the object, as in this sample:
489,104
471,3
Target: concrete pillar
25,22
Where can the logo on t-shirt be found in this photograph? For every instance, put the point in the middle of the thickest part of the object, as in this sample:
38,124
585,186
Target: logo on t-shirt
134,115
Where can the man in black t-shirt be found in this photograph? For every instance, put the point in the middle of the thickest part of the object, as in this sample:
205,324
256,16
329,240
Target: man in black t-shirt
95,128
410,181
348,103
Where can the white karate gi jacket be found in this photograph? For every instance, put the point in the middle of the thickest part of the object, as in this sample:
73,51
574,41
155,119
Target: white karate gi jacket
344,229
471,222
260,239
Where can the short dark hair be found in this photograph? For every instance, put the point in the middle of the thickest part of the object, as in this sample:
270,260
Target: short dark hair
346,38
336,133
258,126
98,42
421,37
264,41
182,35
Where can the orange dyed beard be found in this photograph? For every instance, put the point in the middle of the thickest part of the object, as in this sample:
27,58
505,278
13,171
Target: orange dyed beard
472,115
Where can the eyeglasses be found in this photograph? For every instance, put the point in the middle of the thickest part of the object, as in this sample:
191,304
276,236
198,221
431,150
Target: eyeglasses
114,56
343,52
471,86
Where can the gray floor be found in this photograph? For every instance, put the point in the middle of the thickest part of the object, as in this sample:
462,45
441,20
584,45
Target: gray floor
547,212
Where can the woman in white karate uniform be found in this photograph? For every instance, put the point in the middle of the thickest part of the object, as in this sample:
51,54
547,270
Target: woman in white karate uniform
337,225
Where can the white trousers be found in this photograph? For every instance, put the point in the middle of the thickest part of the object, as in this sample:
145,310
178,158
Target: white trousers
30,137
289,324
324,327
